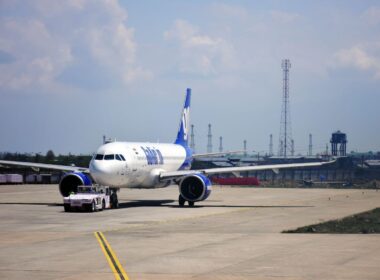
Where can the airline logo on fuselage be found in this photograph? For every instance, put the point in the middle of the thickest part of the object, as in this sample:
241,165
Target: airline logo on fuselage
185,122
153,156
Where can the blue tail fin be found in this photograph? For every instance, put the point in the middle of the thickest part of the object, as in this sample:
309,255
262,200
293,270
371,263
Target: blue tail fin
183,132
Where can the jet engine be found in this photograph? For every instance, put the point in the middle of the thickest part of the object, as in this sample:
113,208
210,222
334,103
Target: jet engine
195,187
70,182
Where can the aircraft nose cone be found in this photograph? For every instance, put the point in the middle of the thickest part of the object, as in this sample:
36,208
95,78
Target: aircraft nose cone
98,171
96,167
103,173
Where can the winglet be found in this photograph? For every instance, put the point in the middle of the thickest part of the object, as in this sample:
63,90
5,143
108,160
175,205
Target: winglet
183,131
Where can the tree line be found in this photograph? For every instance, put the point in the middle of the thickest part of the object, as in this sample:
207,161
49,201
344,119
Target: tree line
49,157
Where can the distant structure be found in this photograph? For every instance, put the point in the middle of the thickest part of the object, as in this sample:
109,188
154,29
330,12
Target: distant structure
310,145
292,148
106,140
285,139
245,147
209,139
220,144
338,143
281,149
270,145
192,140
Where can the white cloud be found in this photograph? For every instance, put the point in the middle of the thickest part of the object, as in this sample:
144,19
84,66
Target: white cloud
39,56
284,17
42,43
358,57
137,73
201,54
372,15
227,10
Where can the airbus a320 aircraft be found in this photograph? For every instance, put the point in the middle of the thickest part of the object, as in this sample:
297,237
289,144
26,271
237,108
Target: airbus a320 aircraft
149,165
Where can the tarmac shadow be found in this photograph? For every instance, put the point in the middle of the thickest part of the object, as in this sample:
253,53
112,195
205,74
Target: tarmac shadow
145,203
33,203
241,206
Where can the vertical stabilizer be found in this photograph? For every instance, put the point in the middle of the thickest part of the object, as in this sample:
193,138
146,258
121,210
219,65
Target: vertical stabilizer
183,132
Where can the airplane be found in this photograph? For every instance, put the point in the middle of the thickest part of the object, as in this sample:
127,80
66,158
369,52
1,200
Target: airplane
149,165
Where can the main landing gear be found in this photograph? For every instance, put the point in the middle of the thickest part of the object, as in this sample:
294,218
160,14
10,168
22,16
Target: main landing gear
114,200
182,201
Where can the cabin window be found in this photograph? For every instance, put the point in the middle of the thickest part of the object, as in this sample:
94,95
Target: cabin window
109,157
122,157
118,157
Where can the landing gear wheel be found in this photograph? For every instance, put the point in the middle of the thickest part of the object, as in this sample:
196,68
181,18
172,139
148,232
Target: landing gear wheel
103,204
114,201
93,206
181,201
191,203
67,207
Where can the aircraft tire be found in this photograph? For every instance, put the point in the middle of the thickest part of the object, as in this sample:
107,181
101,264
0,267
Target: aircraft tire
114,201
67,207
181,201
191,203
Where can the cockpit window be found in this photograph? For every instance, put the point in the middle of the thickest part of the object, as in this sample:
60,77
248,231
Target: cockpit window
122,157
99,157
109,157
118,157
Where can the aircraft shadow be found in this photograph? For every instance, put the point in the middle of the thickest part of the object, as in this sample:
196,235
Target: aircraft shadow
162,203
241,206
145,203
33,203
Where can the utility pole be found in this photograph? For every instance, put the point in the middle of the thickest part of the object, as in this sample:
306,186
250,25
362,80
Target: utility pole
192,139
209,139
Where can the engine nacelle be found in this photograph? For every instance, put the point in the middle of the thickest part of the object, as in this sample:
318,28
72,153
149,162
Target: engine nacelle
70,182
195,187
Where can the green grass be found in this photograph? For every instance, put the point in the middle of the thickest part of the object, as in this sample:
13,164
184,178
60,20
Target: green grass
366,222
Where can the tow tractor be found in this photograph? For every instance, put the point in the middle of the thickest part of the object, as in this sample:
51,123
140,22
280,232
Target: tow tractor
91,198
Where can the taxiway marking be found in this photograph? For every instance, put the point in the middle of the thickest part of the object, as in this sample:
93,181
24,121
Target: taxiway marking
111,257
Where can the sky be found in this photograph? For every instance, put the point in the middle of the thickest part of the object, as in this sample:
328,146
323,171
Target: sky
73,71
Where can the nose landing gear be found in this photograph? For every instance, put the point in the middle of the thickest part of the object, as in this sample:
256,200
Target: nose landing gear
113,199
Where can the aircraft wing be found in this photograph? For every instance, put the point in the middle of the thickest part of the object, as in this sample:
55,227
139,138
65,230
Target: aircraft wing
216,154
275,167
44,166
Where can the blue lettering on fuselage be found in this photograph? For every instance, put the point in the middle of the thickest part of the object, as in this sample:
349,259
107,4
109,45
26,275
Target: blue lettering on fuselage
153,156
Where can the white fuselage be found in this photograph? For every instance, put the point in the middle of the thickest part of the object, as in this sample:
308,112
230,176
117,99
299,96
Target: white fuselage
131,165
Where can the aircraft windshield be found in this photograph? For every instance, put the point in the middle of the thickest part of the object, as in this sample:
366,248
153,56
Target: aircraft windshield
110,157
99,157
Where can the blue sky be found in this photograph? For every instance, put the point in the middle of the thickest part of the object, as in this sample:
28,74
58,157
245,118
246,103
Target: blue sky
71,71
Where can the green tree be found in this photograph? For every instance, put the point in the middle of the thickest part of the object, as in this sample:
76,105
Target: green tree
50,156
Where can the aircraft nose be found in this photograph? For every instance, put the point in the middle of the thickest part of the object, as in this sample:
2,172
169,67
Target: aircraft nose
96,167
103,173
98,171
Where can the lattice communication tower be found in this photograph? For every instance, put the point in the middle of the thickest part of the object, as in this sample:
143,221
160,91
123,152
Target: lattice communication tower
285,142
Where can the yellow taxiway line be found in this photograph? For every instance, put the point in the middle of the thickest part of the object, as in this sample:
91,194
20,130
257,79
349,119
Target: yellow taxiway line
111,257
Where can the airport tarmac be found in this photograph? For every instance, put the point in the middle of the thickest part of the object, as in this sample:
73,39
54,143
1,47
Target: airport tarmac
236,234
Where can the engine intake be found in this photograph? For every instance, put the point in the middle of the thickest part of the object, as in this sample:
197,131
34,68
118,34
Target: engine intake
196,187
70,182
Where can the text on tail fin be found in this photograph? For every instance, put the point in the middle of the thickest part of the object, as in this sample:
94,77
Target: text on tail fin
183,131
